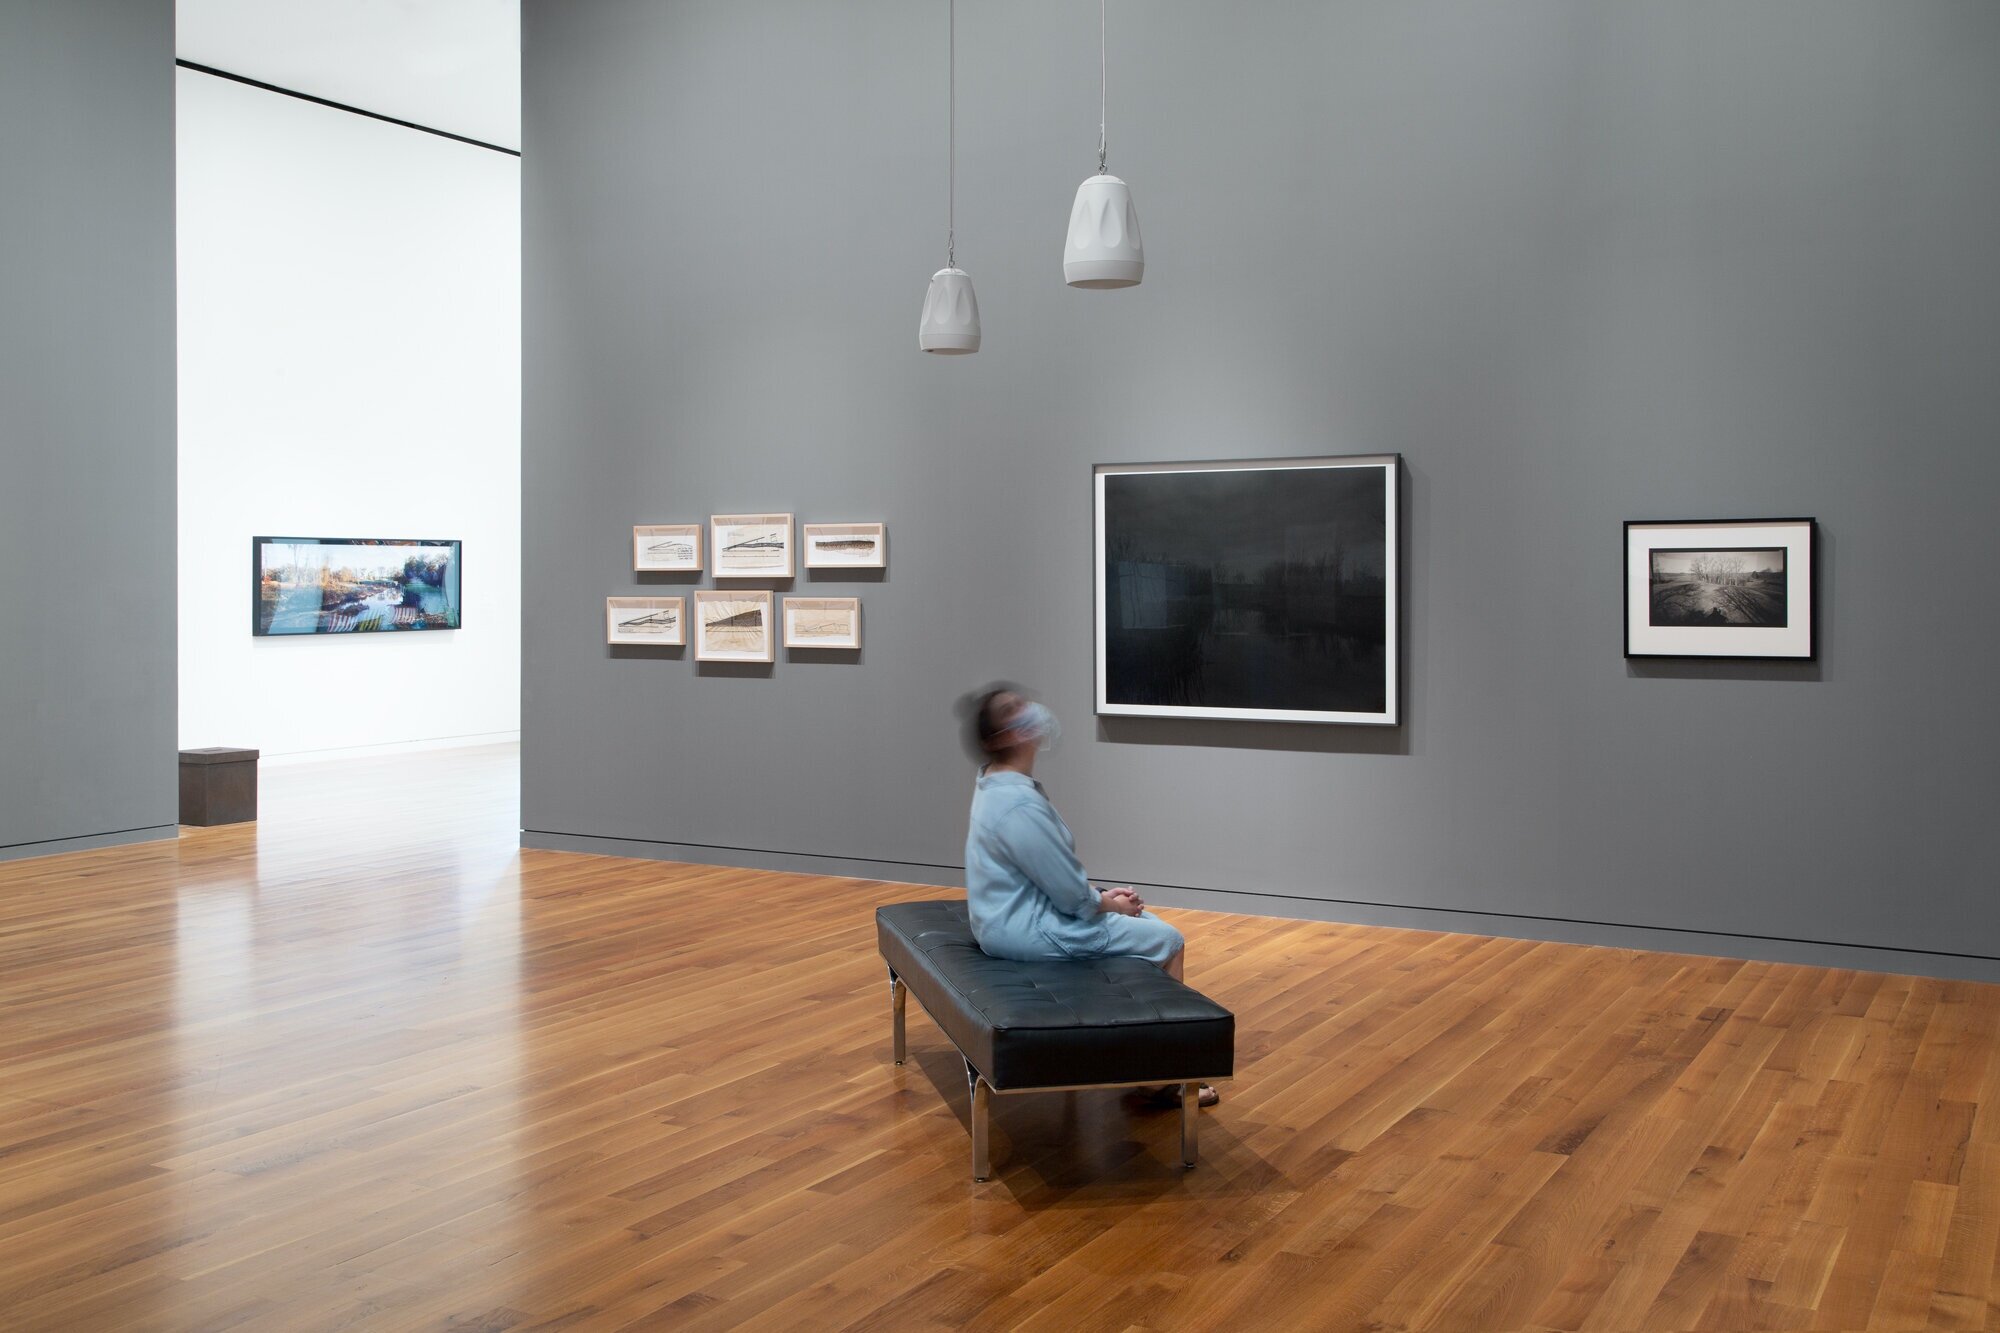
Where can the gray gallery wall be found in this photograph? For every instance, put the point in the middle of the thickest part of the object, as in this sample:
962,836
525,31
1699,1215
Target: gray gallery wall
87,690
1577,262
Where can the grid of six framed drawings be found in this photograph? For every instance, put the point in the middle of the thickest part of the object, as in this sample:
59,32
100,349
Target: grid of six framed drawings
742,625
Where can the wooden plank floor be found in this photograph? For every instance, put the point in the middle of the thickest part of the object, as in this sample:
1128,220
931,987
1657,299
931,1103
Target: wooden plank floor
364,1065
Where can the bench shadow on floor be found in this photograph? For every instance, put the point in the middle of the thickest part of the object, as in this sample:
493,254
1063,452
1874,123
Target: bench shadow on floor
1052,1149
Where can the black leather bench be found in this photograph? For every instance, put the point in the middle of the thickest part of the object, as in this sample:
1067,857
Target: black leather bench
1051,1027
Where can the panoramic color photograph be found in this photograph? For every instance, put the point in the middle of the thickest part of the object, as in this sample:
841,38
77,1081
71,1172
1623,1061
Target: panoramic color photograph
309,586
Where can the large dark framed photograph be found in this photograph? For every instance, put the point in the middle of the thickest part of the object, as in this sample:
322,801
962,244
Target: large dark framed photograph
353,585
1262,589
1741,588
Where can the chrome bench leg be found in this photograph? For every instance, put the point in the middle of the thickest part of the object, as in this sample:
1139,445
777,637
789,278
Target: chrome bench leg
1190,1123
982,1105
898,994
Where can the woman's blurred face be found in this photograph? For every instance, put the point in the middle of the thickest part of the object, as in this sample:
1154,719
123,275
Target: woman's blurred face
1006,711
1028,726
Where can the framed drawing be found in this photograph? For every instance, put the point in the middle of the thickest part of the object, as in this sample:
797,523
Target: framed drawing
732,626
845,545
1265,589
350,585
752,546
822,622
1741,588
655,622
666,546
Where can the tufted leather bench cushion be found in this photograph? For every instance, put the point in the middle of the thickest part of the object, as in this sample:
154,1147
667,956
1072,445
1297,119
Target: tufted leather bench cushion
1042,1025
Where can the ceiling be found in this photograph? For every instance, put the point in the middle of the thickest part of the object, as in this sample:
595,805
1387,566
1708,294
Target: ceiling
449,64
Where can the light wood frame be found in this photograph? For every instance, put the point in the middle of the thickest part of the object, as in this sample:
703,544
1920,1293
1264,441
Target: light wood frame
796,607
647,534
674,608
724,530
706,651
811,534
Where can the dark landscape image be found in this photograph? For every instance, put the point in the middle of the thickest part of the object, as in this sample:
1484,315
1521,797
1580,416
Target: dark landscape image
1247,589
1736,586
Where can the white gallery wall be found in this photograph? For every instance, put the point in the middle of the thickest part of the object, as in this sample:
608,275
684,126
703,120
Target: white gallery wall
349,325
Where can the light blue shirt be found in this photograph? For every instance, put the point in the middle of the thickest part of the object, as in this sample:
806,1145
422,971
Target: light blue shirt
1024,885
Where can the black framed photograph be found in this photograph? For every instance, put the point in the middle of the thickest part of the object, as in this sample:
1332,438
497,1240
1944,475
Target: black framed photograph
1741,588
354,585
1261,589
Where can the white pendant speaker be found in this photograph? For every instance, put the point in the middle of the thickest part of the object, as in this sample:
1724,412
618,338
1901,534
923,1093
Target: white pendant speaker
1103,249
950,322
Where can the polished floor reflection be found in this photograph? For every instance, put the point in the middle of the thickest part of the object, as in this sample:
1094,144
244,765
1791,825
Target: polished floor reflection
364,1065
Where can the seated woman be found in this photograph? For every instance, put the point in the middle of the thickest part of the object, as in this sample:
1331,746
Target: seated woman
1025,888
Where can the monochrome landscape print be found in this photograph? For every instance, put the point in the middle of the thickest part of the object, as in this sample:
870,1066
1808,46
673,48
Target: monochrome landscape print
1247,588
645,620
853,544
825,624
649,622
745,548
666,547
731,626
822,622
1717,586
314,586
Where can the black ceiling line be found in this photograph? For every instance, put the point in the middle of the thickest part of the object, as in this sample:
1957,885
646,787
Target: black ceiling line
342,106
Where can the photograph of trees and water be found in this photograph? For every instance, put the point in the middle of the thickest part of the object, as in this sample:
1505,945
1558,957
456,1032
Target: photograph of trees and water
1721,587
313,585
1262,589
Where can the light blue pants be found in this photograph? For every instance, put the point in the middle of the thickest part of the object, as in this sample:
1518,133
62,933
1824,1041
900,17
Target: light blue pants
1143,936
